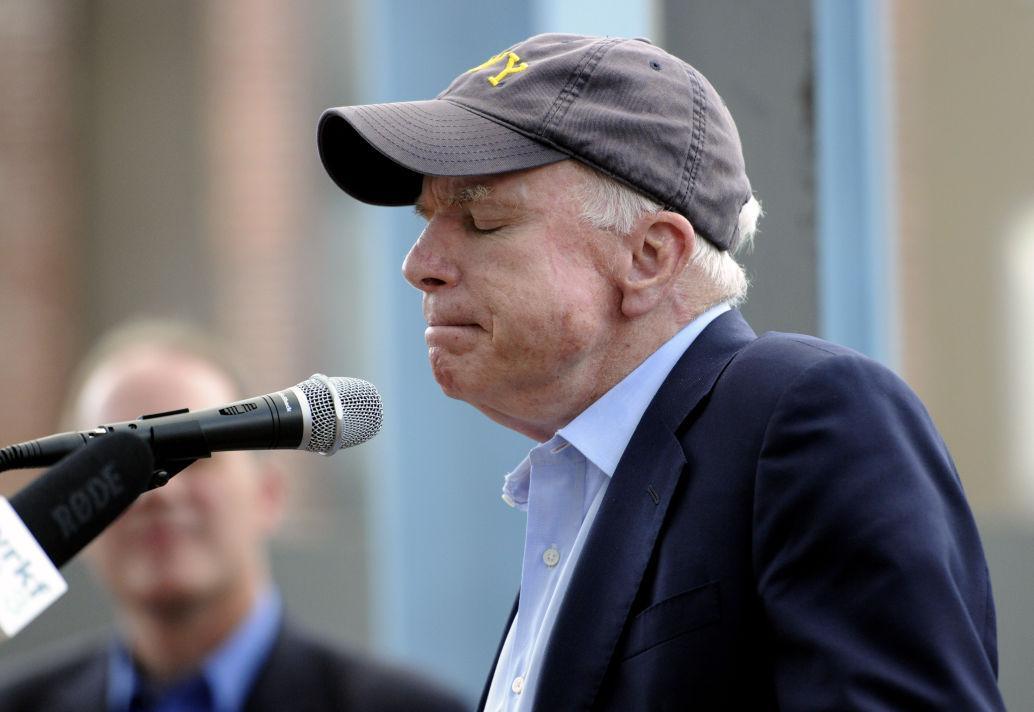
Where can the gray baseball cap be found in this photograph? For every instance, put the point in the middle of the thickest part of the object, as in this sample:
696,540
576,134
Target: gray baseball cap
624,107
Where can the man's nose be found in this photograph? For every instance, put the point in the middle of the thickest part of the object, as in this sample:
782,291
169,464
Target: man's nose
428,266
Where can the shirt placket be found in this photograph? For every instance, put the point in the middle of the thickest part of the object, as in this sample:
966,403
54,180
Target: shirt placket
555,495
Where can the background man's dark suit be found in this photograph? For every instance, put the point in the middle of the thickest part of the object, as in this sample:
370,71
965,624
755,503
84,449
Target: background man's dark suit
785,530
301,675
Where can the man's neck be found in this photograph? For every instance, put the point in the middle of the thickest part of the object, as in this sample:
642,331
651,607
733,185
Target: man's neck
171,641
628,347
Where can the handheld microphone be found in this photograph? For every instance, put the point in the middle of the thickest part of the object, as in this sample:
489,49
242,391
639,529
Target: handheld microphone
48,522
320,414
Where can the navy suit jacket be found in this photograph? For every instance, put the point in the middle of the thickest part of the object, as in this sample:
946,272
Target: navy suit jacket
301,674
785,530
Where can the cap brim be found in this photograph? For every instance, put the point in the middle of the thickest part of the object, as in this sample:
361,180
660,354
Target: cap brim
379,153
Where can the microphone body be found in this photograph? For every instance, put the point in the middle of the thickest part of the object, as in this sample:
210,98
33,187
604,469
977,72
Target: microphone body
321,414
48,522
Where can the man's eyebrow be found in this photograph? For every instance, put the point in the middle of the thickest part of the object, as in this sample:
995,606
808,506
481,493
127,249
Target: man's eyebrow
464,196
471,194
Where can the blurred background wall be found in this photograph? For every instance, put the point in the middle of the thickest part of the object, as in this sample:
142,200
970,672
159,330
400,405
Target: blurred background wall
158,157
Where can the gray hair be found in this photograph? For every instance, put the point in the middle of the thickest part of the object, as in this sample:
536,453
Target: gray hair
612,206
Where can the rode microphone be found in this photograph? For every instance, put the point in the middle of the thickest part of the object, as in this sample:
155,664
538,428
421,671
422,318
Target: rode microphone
61,511
321,414
71,503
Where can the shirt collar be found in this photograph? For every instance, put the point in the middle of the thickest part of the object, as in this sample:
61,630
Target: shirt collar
517,483
601,432
232,668
229,671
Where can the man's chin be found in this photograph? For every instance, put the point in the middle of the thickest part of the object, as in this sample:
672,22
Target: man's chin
449,388
169,599
444,370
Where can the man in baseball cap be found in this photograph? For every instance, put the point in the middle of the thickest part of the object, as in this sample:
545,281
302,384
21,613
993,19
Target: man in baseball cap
714,520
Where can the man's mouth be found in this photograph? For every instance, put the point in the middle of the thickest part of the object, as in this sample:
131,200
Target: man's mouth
451,324
447,321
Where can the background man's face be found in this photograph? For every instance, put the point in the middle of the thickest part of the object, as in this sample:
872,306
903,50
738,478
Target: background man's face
205,531
517,294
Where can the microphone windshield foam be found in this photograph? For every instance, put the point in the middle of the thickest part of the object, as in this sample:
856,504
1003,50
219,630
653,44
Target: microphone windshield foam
66,507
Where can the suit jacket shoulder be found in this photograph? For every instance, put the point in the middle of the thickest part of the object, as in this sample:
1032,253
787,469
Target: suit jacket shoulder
307,674
771,363
68,677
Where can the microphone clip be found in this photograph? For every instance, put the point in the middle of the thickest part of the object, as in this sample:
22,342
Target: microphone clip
165,471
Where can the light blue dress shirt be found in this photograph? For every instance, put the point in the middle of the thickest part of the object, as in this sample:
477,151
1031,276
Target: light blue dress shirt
224,679
560,485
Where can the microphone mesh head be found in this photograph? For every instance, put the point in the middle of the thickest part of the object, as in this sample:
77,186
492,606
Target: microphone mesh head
360,412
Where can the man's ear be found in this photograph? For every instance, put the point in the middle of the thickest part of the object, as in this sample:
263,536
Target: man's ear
661,245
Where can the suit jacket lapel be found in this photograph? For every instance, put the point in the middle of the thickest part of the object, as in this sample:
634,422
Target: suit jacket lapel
283,677
619,547
498,652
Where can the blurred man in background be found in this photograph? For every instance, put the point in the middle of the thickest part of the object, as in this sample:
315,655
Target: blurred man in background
201,625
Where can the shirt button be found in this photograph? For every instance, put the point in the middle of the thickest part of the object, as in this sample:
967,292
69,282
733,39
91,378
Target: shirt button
551,557
518,685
